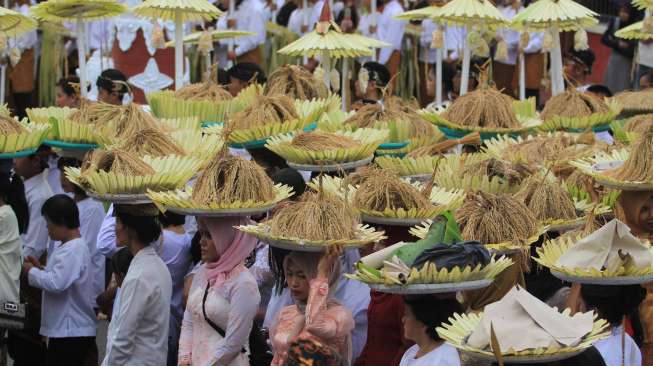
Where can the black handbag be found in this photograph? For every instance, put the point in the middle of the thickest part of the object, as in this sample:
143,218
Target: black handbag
13,315
259,353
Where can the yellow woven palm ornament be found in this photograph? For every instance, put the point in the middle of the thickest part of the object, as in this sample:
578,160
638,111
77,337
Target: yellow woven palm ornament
642,30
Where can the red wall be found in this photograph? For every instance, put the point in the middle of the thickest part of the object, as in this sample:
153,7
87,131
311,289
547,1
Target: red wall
602,54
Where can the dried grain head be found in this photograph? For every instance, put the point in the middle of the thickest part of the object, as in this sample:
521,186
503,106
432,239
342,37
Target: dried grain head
320,141
547,199
381,189
640,123
152,142
133,119
484,107
208,91
115,161
264,110
396,110
639,165
573,103
635,100
230,179
10,125
316,216
295,82
491,218
513,173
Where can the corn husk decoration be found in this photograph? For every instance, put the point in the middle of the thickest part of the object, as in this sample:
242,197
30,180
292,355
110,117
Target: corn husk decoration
502,50
437,39
318,148
158,38
544,334
576,112
14,56
112,172
18,136
295,82
228,185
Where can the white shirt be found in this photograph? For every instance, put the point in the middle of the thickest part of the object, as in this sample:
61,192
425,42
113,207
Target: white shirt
37,191
610,350
511,37
140,332
249,17
106,238
645,54
390,30
453,38
444,354
10,261
353,295
91,215
66,283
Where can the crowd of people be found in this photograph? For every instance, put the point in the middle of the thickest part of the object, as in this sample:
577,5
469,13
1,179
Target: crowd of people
180,290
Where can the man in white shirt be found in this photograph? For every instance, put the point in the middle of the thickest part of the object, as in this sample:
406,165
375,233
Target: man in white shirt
303,20
504,69
390,30
32,169
248,16
67,318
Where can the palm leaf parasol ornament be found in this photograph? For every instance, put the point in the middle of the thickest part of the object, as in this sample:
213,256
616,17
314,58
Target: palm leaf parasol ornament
179,11
79,12
328,41
437,42
555,16
472,14
12,23
642,30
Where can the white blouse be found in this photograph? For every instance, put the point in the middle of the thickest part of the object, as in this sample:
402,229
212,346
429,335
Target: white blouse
10,261
444,354
91,215
66,283
611,350
37,191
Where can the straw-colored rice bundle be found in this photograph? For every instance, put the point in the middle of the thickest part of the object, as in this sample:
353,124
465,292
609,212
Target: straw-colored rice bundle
264,110
208,91
9,125
93,112
640,123
115,161
295,82
639,165
152,142
546,199
484,107
493,219
573,103
381,190
635,100
230,179
513,173
319,141
316,216
542,149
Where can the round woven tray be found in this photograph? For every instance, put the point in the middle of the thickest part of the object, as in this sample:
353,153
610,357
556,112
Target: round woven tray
122,199
607,281
435,288
331,167
227,212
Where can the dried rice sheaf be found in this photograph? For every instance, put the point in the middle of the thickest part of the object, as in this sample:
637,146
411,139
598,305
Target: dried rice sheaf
381,190
10,126
295,82
547,199
320,141
152,142
573,103
513,173
639,165
640,123
635,100
542,149
395,110
232,179
117,162
316,216
264,110
484,107
492,219
209,91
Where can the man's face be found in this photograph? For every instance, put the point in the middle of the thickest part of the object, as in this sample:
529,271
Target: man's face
27,166
574,69
105,96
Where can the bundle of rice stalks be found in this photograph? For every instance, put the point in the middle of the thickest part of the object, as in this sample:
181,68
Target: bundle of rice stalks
547,200
316,216
635,102
270,116
444,146
576,111
484,107
497,219
209,92
151,142
318,148
511,173
115,161
639,124
542,149
295,82
381,190
19,136
9,126
639,165
232,179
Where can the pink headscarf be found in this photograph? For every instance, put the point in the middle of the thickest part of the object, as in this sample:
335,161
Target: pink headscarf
233,246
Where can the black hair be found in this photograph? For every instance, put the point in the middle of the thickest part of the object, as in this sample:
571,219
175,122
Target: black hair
12,191
223,77
432,311
66,85
113,80
648,75
377,73
600,89
613,302
121,260
277,256
61,210
270,161
146,228
171,219
247,71
195,250
73,163
292,178
585,57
